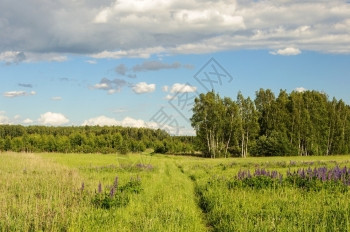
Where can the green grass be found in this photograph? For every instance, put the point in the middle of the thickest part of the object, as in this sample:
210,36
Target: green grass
42,192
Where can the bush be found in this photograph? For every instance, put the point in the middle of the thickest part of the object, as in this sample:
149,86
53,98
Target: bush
277,144
116,196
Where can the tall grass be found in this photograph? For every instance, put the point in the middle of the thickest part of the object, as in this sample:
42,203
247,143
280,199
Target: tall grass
37,195
72,192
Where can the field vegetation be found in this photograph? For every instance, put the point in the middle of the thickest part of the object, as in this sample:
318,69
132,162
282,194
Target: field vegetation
151,192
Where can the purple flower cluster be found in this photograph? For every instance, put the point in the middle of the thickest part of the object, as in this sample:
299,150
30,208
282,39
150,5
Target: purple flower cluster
323,174
241,175
114,187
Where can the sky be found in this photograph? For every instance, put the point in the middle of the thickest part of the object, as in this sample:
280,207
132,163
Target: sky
141,63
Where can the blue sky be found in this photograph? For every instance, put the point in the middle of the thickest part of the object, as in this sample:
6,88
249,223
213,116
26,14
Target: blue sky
126,62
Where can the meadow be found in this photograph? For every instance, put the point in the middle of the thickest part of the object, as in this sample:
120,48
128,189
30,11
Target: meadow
151,192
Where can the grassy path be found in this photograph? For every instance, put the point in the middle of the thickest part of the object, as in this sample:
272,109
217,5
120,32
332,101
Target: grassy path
167,203
43,192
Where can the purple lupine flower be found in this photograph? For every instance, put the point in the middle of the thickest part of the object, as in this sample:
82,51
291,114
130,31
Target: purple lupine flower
112,192
329,175
274,174
115,184
257,172
82,186
248,175
280,177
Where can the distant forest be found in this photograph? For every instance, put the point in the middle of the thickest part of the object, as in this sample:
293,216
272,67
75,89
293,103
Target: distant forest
91,139
296,123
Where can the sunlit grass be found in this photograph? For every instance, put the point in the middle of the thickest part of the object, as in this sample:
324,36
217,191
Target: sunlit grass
43,192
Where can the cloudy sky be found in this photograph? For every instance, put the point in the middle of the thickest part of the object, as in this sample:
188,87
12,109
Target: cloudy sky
141,63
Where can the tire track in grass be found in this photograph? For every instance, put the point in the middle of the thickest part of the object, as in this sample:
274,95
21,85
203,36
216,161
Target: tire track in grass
198,198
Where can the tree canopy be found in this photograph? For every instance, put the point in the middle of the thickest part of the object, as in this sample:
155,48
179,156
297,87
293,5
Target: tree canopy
299,123
90,139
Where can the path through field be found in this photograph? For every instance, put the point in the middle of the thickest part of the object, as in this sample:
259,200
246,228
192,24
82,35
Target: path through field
73,192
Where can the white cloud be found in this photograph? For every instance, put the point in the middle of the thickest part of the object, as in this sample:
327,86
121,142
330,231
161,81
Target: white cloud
53,119
300,89
123,28
102,16
106,121
101,121
101,86
3,118
143,87
15,57
12,94
56,98
182,88
130,53
289,51
138,123
27,121
169,97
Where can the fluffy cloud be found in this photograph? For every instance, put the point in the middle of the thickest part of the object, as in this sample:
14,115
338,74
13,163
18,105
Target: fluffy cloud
300,89
131,122
3,118
101,121
53,119
182,88
12,94
15,57
123,28
106,121
169,97
27,121
143,87
290,51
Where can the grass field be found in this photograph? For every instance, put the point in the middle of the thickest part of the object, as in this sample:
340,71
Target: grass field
144,192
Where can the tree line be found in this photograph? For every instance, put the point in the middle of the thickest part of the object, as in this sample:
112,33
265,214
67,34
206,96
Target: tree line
296,123
91,139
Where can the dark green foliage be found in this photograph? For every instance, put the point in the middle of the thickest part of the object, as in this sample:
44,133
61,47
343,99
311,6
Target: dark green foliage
90,139
296,123
257,182
299,123
277,144
133,186
116,196
105,201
